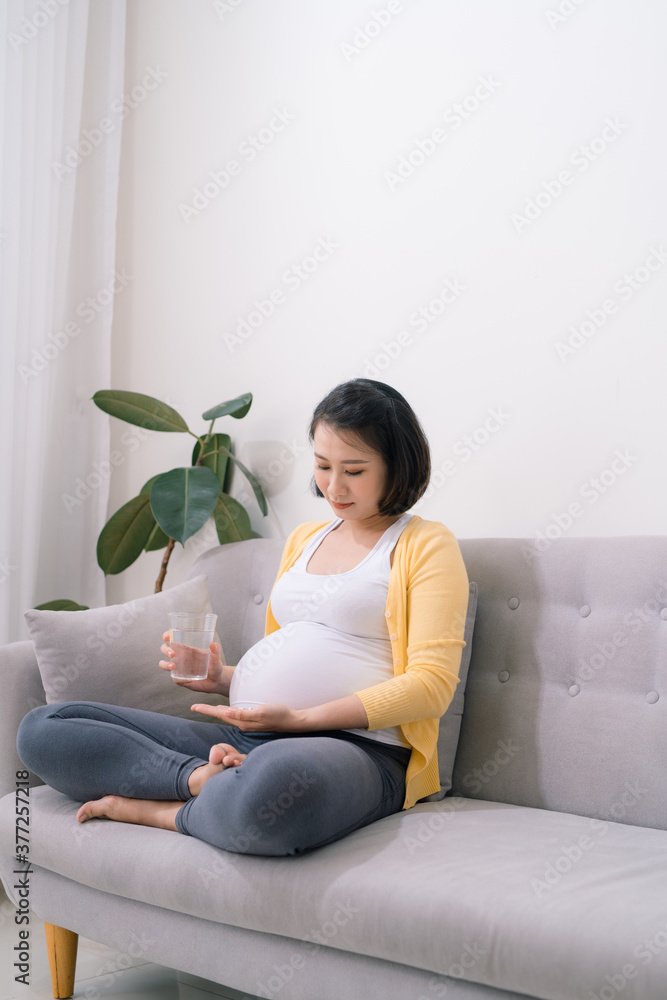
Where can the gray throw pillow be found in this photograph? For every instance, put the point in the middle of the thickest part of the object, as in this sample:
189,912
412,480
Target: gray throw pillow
111,654
450,723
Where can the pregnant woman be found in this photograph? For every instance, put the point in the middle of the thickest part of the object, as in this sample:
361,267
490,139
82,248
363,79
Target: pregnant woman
333,715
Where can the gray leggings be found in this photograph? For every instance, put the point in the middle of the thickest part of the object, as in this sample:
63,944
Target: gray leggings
294,792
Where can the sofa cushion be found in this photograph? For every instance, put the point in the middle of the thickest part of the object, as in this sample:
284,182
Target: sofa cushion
111,654
450,723
546,904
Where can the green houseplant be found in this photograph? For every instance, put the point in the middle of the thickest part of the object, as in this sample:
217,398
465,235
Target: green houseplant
173,506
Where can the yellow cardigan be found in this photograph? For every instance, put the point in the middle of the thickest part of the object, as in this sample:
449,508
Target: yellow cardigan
426,609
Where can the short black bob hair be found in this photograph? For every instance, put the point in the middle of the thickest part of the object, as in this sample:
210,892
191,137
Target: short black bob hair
377,415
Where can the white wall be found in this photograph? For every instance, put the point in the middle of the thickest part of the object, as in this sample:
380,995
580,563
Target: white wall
554,82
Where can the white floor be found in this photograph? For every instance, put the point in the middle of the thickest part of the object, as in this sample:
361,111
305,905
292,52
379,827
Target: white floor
140,981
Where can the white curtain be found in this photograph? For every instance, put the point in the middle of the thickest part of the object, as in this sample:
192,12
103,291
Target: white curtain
61,89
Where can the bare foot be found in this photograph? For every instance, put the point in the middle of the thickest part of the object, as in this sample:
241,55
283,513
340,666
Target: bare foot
221,757
226,754
146,812
200,776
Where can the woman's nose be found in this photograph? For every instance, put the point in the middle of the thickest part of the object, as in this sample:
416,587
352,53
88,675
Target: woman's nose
337,485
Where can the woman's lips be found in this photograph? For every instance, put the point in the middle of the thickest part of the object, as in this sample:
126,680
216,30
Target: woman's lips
340,506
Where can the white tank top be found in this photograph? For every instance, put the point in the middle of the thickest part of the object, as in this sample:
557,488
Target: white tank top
333,638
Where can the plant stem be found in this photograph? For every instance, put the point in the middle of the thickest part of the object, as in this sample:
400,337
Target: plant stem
202,448
163,567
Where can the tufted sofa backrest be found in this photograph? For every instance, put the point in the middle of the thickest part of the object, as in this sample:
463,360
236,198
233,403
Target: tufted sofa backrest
566,700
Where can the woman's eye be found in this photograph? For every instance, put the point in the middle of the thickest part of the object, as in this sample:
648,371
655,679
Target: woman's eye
324,468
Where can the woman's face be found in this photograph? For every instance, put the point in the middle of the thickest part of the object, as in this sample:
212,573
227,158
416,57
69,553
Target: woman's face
351,476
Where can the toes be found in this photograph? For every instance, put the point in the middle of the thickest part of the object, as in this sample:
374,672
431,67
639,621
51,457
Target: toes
219,751
97,809
86,812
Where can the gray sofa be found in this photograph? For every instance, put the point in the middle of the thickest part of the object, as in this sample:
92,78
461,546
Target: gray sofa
541,874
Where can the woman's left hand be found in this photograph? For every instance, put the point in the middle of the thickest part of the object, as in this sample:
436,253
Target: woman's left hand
264,718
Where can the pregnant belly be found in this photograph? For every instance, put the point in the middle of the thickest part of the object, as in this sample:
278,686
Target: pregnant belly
307,664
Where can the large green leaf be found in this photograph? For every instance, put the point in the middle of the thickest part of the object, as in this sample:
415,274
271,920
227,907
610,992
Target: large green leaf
144,411
254,482
237,407
231,520
219,461
157,538
124,536
61,604
183,500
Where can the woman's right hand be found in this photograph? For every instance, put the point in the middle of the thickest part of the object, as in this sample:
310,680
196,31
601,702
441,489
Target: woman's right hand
212,683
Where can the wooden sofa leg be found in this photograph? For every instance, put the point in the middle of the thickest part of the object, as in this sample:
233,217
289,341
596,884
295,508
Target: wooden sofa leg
62,945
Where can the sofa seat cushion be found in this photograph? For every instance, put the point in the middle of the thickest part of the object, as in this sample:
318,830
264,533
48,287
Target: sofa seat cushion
547,904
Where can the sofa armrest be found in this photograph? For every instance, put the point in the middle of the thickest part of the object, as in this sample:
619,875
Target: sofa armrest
20,690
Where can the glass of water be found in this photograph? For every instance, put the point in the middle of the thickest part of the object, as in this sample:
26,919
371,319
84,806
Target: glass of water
190,635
